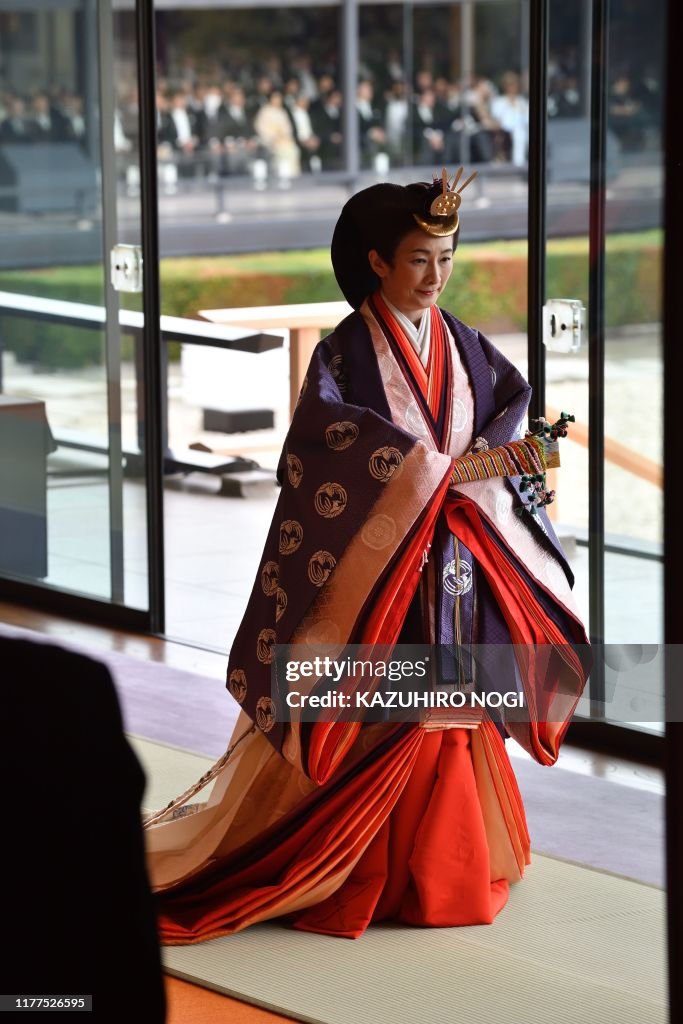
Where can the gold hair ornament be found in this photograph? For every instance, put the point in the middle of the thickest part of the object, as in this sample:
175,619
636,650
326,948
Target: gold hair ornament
445,205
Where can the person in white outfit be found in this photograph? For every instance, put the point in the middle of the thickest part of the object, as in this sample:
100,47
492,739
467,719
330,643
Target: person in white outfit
274,128
511,111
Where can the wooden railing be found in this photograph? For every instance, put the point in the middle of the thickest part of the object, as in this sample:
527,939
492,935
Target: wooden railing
615,452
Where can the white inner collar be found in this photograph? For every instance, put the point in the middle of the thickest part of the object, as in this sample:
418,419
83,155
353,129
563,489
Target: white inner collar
419,335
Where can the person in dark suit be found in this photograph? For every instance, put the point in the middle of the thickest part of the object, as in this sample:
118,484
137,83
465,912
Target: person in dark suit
167,133
45,124
68,117
258,98
429,135
370,124
16,127
232,117
186,123
233,133
198,115
76,902
326,118
305,135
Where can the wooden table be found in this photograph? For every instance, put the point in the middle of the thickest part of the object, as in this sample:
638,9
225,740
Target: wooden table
304,321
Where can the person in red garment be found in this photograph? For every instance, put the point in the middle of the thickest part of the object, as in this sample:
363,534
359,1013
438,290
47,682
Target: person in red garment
400,520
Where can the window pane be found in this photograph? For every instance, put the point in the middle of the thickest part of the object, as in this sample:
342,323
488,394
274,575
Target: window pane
68,520
633,359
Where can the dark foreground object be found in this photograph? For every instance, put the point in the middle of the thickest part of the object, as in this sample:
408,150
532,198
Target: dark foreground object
78,912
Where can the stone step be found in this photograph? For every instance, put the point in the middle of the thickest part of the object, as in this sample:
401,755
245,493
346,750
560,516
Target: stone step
248,483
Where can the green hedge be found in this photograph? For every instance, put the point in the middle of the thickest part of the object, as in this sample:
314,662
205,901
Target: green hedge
487,288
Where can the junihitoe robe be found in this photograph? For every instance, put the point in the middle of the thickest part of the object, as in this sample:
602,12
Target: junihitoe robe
335,824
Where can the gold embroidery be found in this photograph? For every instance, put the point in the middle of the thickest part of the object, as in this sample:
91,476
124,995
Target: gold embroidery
336,368
237,684
385,463
320,566
265,714
330,500
264,646
341,435
291,535
270,578
295,470
280,603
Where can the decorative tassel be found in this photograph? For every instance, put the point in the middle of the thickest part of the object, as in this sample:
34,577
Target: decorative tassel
527,458
534,486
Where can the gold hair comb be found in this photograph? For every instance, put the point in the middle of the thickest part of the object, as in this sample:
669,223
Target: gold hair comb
446,205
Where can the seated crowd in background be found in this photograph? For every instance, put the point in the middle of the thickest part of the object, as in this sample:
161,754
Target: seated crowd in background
276,122
55,116
278,129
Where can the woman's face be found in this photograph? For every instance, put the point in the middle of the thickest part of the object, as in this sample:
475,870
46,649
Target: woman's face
418,274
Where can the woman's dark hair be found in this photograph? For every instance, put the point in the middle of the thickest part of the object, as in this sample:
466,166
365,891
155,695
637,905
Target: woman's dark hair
378,218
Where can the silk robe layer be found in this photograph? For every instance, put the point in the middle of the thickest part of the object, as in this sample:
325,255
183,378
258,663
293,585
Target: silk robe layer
338,824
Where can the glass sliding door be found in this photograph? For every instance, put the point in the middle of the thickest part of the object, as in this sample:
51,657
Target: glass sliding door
72,483
611,380
633,315
566,267
257,86
424,86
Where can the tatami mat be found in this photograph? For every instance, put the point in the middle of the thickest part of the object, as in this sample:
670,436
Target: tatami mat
572,945
169,770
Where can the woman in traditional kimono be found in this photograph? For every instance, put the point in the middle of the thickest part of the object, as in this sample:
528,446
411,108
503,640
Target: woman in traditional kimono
274,128
397,522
